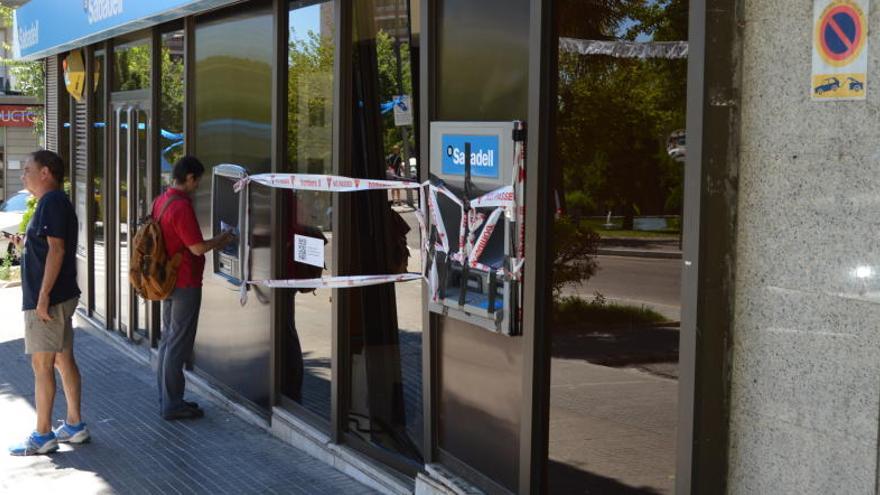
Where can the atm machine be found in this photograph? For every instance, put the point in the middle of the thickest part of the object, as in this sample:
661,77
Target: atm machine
470,159
229,213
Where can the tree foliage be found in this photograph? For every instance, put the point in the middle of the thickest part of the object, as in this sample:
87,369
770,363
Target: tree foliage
615,114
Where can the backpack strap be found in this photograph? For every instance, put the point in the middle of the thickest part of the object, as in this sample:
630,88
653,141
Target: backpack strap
170,200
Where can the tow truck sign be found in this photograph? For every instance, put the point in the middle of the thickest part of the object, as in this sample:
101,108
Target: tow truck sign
840,50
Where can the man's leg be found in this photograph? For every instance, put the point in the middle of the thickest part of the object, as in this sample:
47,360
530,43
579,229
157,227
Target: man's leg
72,383
180,339
167,306
44,389
66,364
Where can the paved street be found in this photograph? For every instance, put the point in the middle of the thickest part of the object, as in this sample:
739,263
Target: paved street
134,450
653,282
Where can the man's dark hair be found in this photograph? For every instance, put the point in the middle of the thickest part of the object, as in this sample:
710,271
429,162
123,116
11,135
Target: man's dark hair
46,158
185,166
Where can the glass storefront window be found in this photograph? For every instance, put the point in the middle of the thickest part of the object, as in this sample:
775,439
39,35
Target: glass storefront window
98,191
385,401
131,65
233,108
171,127
615,332
307,343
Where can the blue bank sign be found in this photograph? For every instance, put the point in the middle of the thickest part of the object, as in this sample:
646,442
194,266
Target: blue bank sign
43,27
484,155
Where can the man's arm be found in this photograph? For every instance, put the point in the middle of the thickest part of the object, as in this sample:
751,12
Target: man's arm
54,260
215,242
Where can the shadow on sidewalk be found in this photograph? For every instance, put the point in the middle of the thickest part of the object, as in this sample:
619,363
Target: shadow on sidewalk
565,478
135,451
622,347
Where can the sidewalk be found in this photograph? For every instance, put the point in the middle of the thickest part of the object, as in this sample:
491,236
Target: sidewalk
133,450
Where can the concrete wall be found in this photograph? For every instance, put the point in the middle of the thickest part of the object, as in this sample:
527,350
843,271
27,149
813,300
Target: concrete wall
805,388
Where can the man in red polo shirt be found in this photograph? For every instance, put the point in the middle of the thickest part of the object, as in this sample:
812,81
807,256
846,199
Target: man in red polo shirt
180,312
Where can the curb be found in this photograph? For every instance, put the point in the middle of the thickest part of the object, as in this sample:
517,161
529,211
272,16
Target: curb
635,253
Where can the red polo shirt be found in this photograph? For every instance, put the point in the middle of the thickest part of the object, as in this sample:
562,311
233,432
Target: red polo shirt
180,229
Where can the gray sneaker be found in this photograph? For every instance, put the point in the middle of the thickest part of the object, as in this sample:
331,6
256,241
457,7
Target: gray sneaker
66,433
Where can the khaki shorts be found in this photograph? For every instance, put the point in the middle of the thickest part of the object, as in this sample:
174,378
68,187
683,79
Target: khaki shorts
55,335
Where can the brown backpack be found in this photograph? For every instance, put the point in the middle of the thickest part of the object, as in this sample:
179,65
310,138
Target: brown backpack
151,272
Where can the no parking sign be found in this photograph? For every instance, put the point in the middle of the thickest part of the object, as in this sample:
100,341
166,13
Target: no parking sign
840,50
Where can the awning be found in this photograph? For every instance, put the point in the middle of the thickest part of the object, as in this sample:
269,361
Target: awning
47,27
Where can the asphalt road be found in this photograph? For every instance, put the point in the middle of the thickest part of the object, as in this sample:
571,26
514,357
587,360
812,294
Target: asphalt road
653,282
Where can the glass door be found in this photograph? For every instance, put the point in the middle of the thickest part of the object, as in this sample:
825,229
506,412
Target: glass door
131,124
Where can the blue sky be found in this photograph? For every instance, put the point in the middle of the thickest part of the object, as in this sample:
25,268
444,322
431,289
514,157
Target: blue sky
304,20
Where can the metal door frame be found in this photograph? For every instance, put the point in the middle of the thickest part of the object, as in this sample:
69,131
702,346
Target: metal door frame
130,102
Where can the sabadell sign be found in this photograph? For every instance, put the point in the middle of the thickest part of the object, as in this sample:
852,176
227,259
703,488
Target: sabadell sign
44,27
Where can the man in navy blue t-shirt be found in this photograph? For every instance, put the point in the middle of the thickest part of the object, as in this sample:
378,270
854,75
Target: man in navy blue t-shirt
49,298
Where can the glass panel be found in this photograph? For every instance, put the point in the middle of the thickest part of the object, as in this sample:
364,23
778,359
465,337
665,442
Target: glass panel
122,287
493,36
385,339
81,197
131,65
171,105
233,89
480,373
143,202
307,343
98,192
615,334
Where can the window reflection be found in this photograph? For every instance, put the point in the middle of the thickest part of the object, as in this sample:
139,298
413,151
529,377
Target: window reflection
615,334
385,339
171,103
233,90
131,65
98,191
307,343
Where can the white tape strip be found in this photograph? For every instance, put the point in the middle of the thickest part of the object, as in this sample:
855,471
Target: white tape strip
337,282
325,183
503,197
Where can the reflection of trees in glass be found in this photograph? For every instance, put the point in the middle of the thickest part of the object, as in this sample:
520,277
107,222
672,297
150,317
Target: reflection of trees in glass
132,68
171,104
309,99
310,119
616,114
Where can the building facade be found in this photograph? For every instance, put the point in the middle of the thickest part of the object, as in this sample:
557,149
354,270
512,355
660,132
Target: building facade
660,317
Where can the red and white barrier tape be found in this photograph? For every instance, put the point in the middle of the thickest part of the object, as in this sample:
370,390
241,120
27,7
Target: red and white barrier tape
325,183
337,282
505,199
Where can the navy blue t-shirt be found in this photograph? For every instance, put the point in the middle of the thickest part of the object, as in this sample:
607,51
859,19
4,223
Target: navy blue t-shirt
54,217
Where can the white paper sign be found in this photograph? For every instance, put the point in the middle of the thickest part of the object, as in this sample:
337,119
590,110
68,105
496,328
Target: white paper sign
403,112
308,250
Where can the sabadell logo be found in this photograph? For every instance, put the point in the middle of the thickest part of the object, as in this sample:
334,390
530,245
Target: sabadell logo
99,10
29,36
479,158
